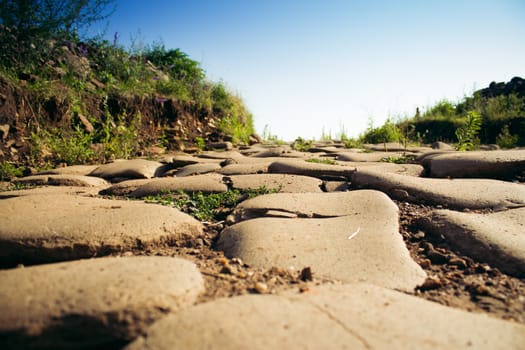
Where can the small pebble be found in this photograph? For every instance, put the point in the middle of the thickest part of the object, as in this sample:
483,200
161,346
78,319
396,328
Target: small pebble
460,263
425,263
419,235
432,282
306,274
261,287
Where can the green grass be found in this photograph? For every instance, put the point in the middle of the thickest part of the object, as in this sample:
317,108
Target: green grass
9,171
302,145
322,161
405,159
207,207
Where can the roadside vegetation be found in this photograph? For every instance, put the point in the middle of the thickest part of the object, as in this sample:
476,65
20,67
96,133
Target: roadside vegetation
493,115
71,99
82,100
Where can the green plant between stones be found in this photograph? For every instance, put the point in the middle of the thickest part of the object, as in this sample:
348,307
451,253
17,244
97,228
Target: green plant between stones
321,161
208,207
404,159
467,133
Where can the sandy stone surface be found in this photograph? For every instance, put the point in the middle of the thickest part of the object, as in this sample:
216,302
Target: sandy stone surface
44,228
290,253
505,165
495,238
70,170
207,183
196,169
63,180
244,169
458,193
180,160
366,157
131,169
92,303
300,167
358,241
280,182
352,316
52,190
124,187
313,205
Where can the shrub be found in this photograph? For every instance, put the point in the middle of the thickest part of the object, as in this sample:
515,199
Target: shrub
62,146
9,171
388,132
505,139
302,145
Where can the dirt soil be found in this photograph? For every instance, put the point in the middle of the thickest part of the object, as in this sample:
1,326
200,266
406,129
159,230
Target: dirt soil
454,280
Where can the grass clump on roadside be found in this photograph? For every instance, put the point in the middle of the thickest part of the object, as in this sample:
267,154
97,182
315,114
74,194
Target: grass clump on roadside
9,171
302,145
208,207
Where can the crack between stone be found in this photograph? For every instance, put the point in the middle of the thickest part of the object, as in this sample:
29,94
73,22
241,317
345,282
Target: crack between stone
263,213
341,324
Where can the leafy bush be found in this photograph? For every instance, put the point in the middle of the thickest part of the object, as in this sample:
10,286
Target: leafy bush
388,132
505,139
444,109
9,171
302,145
61,146
176,63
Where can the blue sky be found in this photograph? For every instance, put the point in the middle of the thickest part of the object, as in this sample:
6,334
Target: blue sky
305,66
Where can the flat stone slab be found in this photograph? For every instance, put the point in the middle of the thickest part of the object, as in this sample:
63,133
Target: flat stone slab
278,151
358,241
221,155
52,190
495,238
244,169
301,167
366,157
455,194
180,160
314,205
94,303
403,169
353,316
44,228
196,169
395,147
70,170
63,180
131,169
505,165
124,188
206,183
279,182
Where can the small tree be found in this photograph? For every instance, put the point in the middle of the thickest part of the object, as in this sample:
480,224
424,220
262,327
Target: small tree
467,134
26,25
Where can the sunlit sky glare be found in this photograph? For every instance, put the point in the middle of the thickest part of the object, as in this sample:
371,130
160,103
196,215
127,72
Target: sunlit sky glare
303,66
